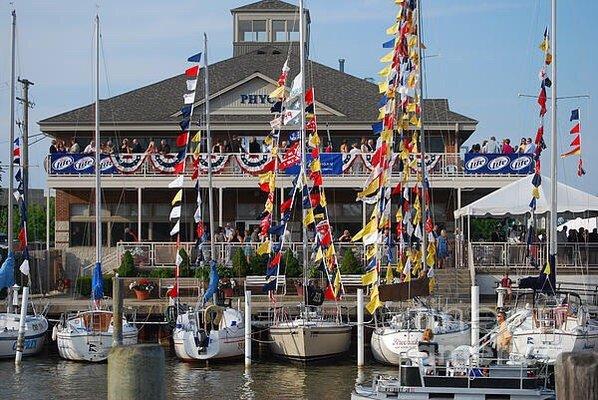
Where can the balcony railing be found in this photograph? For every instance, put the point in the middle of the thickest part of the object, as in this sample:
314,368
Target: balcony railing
227,164
517,255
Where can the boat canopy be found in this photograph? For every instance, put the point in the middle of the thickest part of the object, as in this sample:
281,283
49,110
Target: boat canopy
514,199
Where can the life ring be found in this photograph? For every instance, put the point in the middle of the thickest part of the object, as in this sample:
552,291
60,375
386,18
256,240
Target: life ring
212,314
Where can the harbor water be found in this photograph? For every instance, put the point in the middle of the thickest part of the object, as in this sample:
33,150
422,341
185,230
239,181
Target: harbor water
48,376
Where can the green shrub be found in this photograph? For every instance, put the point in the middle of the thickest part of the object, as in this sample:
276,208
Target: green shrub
83,285
127,266
292,266
240,264
185,266
258,264
162,273
350,264
224,272
202,273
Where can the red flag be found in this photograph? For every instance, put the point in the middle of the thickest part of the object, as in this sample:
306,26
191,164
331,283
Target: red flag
314,198
309,96
576,142
179,167
379,154
316,178
199,229
276,259
22,238
575,129
265,187
315,153
195,173
291,156
192,72
182,139
269,166
265,224
286,205
429,225
542,101
539,135
397,190
173,291
329,293
312,125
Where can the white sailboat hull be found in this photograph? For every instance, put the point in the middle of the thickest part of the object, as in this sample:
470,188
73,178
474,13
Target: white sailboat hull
310,341
391,346
78,342
226,342
549,343
35,334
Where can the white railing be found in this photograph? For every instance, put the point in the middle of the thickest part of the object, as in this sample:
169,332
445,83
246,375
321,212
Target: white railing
229,164
518,255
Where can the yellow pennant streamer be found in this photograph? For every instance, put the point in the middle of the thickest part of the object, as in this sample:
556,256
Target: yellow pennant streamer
264,248
178,197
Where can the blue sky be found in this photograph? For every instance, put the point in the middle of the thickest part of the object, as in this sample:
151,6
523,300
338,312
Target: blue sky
487,53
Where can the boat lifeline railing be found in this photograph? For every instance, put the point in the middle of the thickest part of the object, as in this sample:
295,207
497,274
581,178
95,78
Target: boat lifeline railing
235,164
520,255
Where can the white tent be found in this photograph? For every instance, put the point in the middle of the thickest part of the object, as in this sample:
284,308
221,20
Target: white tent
514,199
586,223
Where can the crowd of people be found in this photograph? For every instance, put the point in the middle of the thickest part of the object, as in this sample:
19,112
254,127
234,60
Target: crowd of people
132,146
492,146
580,235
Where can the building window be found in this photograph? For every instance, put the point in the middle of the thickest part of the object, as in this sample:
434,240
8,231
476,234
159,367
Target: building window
83,233
434,144
279,31
293,29
253,31
79,210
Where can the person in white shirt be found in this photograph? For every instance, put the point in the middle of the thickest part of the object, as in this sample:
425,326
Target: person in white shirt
357,163
492,146
90,148
530,146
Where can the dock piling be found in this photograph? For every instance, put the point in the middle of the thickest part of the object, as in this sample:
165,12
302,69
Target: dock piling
576,375
136,372
117,311
360,336
247,328
475,315
21,334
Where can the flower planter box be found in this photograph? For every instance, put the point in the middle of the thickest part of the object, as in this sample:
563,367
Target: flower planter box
142,294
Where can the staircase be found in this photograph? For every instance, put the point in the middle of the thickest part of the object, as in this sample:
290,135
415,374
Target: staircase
453,285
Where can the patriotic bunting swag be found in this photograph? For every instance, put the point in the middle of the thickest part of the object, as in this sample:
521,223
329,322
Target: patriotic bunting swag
399,111
177,162
575,146
18,193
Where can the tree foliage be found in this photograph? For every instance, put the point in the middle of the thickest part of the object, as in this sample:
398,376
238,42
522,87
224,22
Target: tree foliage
127,266
350,264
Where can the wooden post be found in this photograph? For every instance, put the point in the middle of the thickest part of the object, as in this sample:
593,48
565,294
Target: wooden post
117,311
577,375
136,372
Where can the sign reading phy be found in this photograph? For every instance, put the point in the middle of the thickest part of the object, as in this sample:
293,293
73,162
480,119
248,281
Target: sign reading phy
256,99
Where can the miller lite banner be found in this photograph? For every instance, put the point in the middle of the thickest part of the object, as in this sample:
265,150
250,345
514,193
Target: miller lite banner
513,164
64,163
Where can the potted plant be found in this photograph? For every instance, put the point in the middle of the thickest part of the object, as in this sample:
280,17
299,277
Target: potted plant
142,288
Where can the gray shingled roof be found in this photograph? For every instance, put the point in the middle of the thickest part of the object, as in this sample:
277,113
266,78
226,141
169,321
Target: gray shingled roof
267,5
355,98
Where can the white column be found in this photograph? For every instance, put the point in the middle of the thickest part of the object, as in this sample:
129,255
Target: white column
139,201
475,314
48,240
220,200
247,328
21,334
360,336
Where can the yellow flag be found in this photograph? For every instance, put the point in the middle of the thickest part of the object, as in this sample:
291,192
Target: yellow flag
371,251
431,255
330,251
178,197
197,137
370,189
268,140
315,165
411,80
386,135
278,93
412,107
547,268
309,217
337,283
381,113
374,302
314,140
197,150
544,45
536,192
412,41
389,275
266,178
319,254
371,227
432,284
382,87
392,29
269,206
369,277
264,248
384,71
323,202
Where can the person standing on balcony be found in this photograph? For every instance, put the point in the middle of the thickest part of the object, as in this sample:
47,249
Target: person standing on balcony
227,147
572,237
254,146
530,146
364,146
593,236
90,148
130,236
53,148
328,148
125,148
355,151
506,147
344,147
137,147
229,232
345,237
492,146
75,148
236,145
522,148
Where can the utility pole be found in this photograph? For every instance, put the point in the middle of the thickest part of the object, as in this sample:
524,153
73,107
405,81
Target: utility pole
25,126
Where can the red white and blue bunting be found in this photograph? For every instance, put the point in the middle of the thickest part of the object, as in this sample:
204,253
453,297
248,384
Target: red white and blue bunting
252,163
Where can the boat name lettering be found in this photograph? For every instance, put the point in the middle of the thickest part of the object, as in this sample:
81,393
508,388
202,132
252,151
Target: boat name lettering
476,163
29,344
256,99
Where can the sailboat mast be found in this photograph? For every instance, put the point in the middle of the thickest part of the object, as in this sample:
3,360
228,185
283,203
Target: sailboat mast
422,132
98,192
303,155
209,149
553,141
12,134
